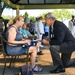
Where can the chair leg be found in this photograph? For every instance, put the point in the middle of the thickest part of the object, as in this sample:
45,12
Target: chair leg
14,59
4,66
10,62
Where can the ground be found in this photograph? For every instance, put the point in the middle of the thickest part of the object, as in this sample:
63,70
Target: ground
45,61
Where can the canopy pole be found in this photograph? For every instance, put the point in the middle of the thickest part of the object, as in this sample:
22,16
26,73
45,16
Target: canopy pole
17,12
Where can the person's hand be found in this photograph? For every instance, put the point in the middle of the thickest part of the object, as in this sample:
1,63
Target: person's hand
40,33
27,41
39,40
46,38
44,41
23,39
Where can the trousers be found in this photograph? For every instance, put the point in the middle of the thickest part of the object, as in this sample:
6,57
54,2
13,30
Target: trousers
59,58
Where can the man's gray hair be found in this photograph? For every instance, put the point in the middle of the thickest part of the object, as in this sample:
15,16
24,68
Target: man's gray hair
50,15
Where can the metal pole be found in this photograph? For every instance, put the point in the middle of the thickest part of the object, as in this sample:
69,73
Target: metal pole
17,12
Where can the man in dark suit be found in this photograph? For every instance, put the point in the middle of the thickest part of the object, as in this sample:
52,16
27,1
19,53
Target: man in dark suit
61,41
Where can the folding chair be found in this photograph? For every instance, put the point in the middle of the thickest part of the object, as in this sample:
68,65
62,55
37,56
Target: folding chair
5,54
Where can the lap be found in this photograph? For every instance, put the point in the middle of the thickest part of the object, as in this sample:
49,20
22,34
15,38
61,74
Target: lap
67,47
64,47
16,50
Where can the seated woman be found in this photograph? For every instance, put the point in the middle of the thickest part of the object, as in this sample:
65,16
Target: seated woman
26,34
13,35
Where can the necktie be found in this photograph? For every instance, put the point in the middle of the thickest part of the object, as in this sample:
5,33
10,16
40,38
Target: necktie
51,32
73,22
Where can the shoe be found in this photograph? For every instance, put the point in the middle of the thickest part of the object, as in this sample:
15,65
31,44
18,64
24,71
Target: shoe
36,69
58,70
40,53
36,59
71,63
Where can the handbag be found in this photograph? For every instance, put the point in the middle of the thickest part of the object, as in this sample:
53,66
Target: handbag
26,70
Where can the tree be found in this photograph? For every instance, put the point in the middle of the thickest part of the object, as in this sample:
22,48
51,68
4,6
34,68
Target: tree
25,15
62,13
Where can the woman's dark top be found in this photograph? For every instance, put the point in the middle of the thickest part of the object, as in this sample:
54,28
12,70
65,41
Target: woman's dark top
18,49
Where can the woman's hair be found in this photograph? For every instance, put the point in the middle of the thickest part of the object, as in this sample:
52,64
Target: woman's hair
50,15
15,19
10,22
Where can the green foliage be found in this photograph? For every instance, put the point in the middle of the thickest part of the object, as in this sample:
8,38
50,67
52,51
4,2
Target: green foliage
43,14
62,13
8,17
25,15
32,18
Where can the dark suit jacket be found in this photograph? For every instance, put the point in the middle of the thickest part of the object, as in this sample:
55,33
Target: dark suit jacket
62,37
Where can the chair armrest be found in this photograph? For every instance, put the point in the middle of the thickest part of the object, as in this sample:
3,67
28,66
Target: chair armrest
9,42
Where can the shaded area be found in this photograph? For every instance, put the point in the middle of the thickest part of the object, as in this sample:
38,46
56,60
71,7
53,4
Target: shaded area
42,2
45,61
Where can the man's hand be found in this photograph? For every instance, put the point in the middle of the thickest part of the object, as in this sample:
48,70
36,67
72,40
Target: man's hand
40,33
45,41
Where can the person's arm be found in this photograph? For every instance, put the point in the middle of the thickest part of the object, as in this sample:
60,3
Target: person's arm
29,34
46,41
59,35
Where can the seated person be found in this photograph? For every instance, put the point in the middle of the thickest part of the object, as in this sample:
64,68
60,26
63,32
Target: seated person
27,34
13,35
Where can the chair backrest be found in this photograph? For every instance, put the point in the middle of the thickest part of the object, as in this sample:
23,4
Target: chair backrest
2,28
2,31
3,42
